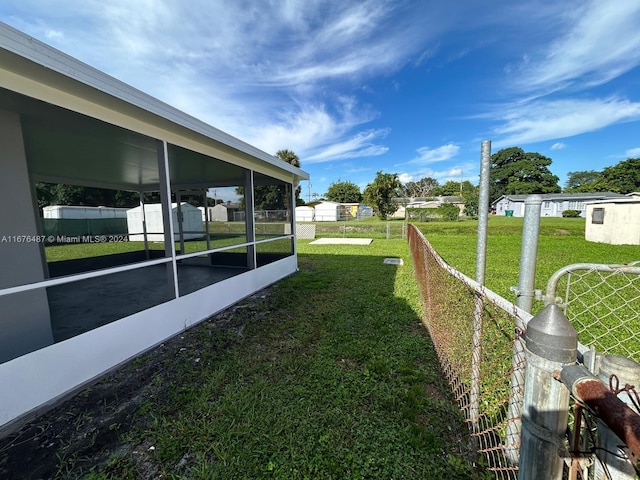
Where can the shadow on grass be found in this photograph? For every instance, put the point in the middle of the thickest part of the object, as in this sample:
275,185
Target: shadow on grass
327,374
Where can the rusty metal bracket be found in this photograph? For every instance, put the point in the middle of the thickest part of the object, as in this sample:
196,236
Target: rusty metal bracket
618,416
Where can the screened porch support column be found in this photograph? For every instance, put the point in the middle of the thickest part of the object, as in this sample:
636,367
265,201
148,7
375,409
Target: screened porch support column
144,226
205,202
180,221
249,219
25,319
167,217
292,213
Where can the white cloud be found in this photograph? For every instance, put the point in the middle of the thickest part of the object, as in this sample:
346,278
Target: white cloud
547,120
430,155
52,35
558,146
633,153
601,41
405,178
318,135
464,171
255,70
360,145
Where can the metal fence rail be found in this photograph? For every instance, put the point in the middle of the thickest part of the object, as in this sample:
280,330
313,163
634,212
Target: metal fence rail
603,304
490,399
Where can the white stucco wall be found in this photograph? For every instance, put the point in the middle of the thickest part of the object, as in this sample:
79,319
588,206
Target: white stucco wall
621,223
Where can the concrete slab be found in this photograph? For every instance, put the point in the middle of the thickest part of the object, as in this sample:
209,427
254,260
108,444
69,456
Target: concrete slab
393,261
342,241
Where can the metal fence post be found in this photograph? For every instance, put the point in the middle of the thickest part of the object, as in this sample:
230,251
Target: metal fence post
612,464
525,292
529,252
483,211
481,261
551,343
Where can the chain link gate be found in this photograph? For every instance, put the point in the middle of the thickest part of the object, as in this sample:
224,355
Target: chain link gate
602,302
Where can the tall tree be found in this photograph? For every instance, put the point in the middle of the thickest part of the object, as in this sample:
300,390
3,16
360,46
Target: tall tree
582,181
422,188
274,197
623,177
381,192
515,172
343,192
471,198
452,188
291,158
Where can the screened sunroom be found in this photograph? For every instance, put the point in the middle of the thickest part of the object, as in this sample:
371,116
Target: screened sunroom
80,297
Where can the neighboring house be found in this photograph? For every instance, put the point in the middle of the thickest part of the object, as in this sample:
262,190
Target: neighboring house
434,202
64,323
61,221
81,212
553,204
615,221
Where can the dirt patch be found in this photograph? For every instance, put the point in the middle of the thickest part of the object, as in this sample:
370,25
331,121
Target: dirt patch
85,431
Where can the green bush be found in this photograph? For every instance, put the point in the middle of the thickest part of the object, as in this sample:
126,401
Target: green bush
449,212
571,213
421,214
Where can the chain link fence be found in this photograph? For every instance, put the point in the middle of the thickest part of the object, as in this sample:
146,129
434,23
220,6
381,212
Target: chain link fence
480,340
478,337
361,228
603,304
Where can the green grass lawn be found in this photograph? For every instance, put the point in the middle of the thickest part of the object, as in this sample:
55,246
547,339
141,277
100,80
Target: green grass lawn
337,380
561,242
604,315
332,376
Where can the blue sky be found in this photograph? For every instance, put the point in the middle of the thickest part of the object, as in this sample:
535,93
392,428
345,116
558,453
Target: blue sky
353,87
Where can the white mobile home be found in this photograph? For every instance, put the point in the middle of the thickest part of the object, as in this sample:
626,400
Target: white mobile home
553,204
65,323
81,212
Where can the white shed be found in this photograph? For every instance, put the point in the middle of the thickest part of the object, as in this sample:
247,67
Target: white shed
614,221
223,212
82,212
305,214
327,212
191,222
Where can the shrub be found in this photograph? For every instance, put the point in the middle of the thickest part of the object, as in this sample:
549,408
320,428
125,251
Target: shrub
421,214
571,213
449,212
